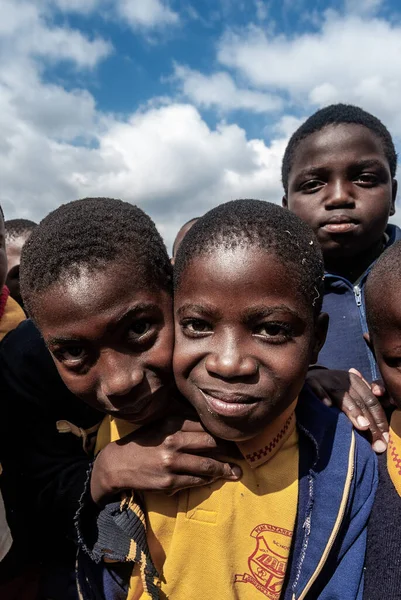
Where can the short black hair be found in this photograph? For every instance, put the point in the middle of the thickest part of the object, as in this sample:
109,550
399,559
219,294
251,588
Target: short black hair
244,223
91,233
337,114
385,272
16,227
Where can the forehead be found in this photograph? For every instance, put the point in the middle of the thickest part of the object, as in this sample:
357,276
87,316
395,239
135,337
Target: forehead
92,300
238,278
15,244
343,142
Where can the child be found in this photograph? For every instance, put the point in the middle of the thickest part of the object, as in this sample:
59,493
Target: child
338,175
383,559
10,313
96,278
180,236
248,292
17,233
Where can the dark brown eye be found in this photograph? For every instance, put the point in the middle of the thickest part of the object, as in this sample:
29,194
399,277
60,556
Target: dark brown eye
139,328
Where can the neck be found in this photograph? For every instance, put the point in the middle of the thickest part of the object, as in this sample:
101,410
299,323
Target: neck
354,268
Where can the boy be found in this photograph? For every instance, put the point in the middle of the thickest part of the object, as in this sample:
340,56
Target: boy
10,313
108,324
248,291
17,233
338,174
383,558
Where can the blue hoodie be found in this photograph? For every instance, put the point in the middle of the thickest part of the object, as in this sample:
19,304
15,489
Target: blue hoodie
337,484
345,304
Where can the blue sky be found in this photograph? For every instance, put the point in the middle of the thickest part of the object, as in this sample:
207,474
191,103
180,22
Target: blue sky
178,106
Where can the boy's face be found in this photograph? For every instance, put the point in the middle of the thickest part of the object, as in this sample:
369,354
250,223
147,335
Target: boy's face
111,338
3,256
386,341
340,183
14,248
244,340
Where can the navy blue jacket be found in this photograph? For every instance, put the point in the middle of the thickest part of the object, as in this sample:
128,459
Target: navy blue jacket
337,484
345,304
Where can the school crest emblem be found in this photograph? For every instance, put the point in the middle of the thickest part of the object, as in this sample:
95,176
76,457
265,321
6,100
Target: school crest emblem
268,562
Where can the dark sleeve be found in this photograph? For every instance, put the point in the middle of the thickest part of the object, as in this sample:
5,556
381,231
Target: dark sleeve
44,471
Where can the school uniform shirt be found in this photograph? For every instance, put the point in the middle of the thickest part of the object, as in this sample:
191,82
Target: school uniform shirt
337,480
344,302
226,539
11,314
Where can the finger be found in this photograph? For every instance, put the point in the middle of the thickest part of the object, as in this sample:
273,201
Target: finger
379,443
378,388
202,466
320,392
359,374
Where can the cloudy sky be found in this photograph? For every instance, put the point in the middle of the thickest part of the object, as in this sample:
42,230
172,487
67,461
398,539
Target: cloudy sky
178,105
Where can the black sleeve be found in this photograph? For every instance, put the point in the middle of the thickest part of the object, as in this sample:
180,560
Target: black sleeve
44,470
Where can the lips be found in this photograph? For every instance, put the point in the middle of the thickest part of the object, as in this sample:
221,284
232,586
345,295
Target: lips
229,404
339,224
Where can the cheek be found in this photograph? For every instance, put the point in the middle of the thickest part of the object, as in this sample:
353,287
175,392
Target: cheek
82,386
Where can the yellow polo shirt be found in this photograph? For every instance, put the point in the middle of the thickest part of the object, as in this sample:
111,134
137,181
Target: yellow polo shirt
227,540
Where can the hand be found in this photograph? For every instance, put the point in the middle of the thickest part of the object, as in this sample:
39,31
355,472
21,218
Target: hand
352,394
166,456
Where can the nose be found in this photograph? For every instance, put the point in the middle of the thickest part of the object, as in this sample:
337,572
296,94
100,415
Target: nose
231,359
340,195
119,375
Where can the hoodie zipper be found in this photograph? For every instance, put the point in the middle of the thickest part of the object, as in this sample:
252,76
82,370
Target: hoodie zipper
358,295
337,524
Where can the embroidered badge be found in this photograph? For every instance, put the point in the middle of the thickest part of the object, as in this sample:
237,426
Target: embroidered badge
269,560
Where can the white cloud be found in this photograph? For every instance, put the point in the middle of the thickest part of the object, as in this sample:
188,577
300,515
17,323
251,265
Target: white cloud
146,13
220,91
350,59
25,32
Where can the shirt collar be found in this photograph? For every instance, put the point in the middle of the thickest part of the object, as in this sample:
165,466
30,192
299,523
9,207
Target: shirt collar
258,450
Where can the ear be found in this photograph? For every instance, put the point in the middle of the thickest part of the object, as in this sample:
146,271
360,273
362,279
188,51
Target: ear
366,337
394,196
284,202
321,326
172,260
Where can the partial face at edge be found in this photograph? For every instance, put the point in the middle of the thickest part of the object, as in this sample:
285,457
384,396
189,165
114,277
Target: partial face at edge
111,339
14,248
340,183
3,255
386,341
245,337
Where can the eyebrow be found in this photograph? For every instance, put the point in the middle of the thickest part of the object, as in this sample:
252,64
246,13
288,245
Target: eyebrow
141,307
318,170
203,309
253,312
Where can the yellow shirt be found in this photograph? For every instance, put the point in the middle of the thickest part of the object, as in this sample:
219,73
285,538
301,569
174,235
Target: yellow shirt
227,540
13,315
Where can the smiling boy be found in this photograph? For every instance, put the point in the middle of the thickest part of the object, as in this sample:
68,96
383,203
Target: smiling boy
248,291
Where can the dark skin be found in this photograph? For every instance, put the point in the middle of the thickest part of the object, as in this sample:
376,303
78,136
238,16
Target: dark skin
244,339
111,338
14,247
385,339
340,184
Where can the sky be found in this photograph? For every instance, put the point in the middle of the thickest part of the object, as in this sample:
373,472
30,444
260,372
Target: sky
178,105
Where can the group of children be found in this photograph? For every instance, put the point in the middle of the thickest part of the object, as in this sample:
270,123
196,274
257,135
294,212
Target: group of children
165,432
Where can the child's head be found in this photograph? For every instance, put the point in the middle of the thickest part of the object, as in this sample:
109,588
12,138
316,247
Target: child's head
248,286
17,233
96,279
383,311
3,255
180,236
338,175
